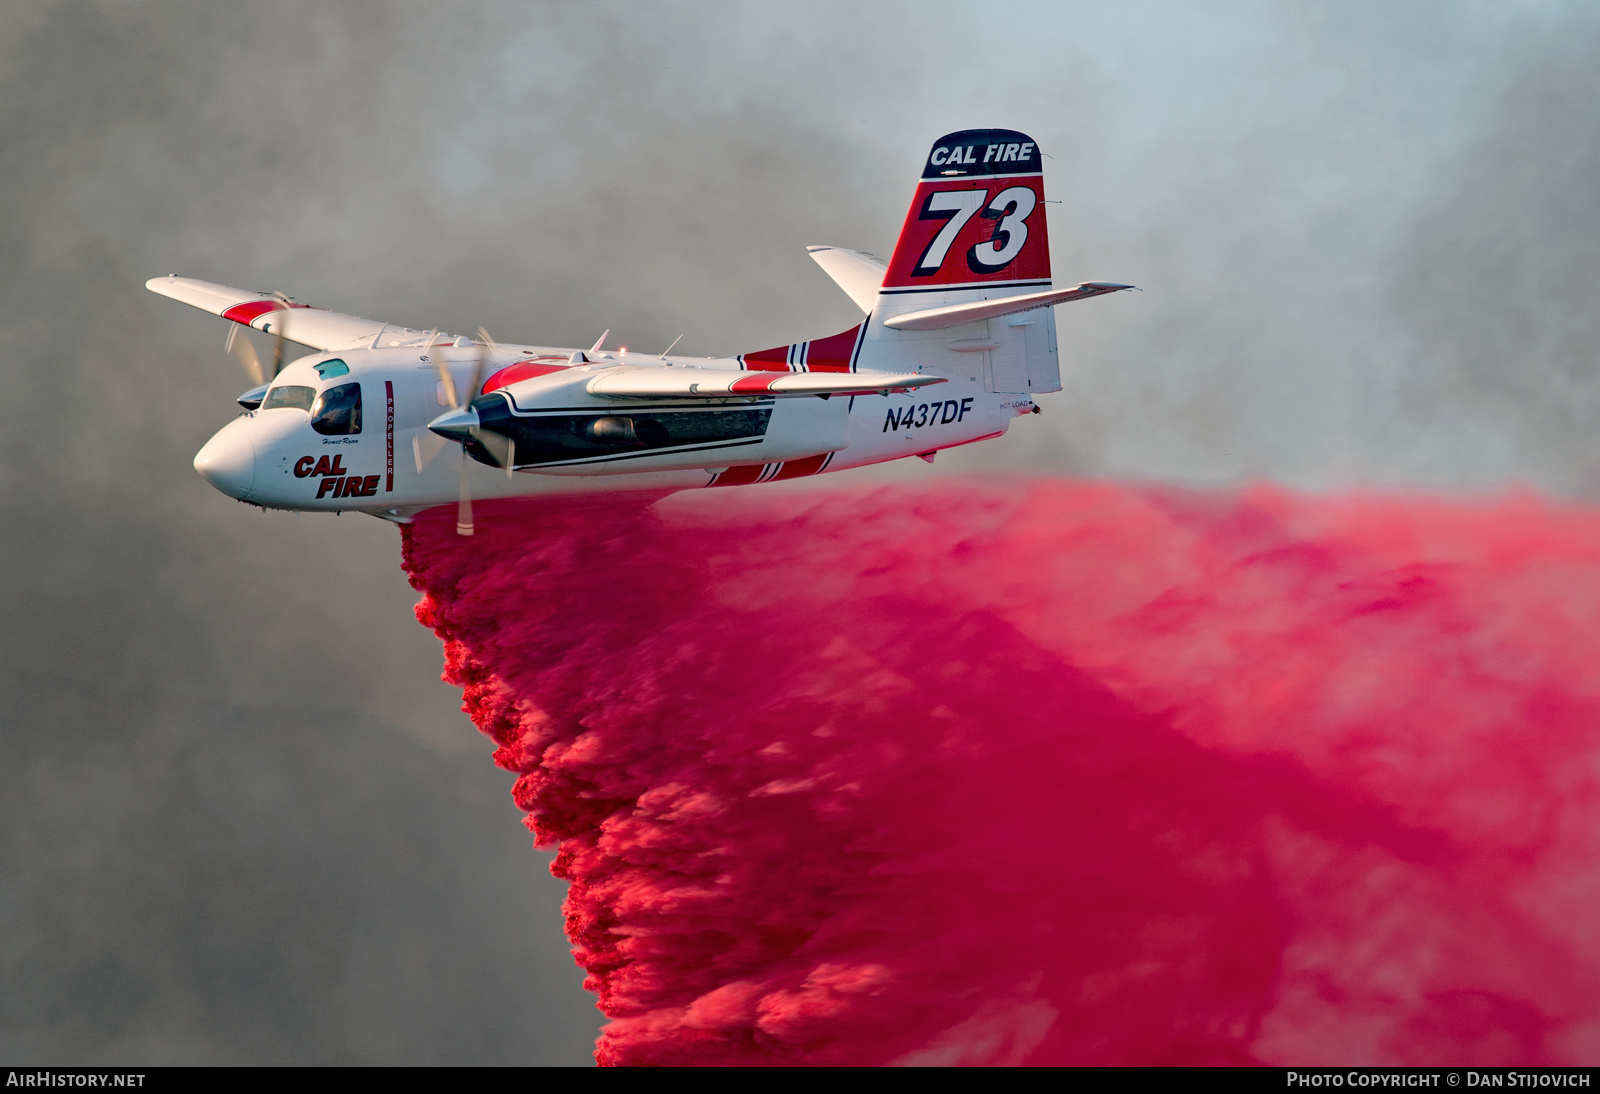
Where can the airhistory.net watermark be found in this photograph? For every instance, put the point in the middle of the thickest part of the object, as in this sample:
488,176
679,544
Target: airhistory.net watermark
52,1078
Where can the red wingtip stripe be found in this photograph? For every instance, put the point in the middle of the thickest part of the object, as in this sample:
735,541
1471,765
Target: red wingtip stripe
521,370
747,385
255,309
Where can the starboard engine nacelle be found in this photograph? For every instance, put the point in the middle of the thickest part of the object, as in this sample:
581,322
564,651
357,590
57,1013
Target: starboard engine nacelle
553,425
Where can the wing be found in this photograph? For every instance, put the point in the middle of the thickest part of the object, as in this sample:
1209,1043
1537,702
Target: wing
686,381
314,327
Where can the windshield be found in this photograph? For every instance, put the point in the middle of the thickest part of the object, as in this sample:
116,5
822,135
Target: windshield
289,395
337,410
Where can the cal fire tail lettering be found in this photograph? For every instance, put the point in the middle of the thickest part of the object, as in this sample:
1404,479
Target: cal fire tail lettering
977,218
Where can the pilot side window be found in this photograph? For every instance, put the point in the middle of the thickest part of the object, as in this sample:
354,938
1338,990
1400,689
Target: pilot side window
300,398
337,411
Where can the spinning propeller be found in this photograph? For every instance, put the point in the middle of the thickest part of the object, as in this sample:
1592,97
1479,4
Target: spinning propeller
460,423
243,351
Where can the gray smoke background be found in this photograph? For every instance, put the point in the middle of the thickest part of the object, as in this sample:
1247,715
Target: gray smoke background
240,818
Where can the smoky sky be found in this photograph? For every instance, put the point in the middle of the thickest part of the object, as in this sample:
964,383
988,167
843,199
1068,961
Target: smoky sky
242,819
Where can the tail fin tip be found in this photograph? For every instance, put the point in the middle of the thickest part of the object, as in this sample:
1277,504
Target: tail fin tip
977,219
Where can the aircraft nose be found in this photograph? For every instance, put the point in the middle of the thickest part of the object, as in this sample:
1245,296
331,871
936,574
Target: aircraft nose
228,460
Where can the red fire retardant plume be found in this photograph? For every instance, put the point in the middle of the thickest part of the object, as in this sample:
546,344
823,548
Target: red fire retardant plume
1038,771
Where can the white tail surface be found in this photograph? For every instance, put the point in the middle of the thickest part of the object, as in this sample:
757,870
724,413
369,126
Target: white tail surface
859,274
975,232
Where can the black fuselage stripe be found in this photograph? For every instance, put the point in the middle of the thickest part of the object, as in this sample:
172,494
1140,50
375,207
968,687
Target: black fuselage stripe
698,406
644,454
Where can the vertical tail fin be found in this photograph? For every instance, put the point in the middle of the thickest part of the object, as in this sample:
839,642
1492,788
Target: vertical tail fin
976,231
977,220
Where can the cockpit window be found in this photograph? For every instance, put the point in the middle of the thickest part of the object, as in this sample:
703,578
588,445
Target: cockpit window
300,398
338,410
330,368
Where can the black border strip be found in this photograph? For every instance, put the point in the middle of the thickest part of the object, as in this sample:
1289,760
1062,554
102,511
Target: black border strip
966,285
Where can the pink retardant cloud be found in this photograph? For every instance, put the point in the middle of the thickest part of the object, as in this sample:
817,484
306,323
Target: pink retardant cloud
1040,771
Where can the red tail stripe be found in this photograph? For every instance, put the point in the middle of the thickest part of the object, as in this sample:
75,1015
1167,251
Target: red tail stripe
980,225
830,354
768,360
833,354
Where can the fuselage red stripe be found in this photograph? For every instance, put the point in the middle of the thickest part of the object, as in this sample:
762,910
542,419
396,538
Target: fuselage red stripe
834,353
739,476
388,436
799,469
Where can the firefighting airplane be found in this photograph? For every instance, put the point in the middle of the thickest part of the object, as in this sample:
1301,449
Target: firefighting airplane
959,336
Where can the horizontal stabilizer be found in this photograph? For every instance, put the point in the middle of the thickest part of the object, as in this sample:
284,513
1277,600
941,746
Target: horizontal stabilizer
677,381
956,314
314,327
859,274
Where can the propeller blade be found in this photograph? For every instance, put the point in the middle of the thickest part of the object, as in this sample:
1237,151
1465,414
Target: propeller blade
486,348
466,424
280,334
464,509
445,376
241,350
501,447
424,447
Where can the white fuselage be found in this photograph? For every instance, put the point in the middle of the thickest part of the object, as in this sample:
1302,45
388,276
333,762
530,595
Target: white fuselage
393,466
